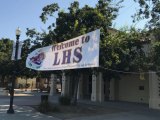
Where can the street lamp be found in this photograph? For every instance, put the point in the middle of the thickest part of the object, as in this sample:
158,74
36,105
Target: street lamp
10,110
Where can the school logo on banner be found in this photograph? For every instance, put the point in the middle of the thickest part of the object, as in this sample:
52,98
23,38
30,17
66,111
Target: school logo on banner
37,60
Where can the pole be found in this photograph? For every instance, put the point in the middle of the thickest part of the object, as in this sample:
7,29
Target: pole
11,110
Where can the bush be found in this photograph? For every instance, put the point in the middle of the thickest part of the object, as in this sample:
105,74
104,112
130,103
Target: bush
64,100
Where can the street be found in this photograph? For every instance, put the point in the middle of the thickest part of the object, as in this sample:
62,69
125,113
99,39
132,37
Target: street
124,110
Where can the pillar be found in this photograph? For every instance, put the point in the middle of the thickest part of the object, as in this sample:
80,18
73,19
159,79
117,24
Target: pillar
94,87
112,90
97,87
53,85
65,85
101,88
80,89
154,90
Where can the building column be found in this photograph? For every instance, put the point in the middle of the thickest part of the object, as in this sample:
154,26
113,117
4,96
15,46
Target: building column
80,87
101,88
94,87
53,85
97,87
112,89
154,90
65,85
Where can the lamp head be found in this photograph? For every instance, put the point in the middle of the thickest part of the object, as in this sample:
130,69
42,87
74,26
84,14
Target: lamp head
18,32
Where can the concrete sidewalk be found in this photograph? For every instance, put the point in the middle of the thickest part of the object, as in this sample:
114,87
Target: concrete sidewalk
128,111
28,113
23,113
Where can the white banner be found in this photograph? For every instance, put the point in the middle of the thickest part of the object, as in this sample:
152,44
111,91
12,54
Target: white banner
79,52
14,51
19,50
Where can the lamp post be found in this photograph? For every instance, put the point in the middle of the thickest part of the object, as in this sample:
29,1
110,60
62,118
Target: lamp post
10,110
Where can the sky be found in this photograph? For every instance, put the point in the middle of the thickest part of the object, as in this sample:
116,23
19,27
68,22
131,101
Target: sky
25,14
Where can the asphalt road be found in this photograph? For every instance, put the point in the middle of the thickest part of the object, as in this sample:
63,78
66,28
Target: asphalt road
23,99
132,111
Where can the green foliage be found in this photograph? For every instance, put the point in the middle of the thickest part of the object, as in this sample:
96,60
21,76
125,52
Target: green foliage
49,10
64,100
5,57
155,53
7,66
21,67
74,22
5,49
120,51
123,51
78,21
149,9
155,56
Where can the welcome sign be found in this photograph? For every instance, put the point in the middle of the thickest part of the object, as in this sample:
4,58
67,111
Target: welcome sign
79,52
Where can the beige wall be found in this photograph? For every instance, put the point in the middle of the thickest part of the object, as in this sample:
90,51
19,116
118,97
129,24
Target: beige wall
154,85
129,89
23,82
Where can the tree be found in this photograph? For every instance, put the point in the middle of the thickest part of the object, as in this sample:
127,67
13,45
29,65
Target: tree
5,58
8,66
75,22
79,20
21,68
149,9
155,51
116,51
123,51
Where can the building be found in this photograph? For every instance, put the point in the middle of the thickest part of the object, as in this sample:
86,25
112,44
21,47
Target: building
132,87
